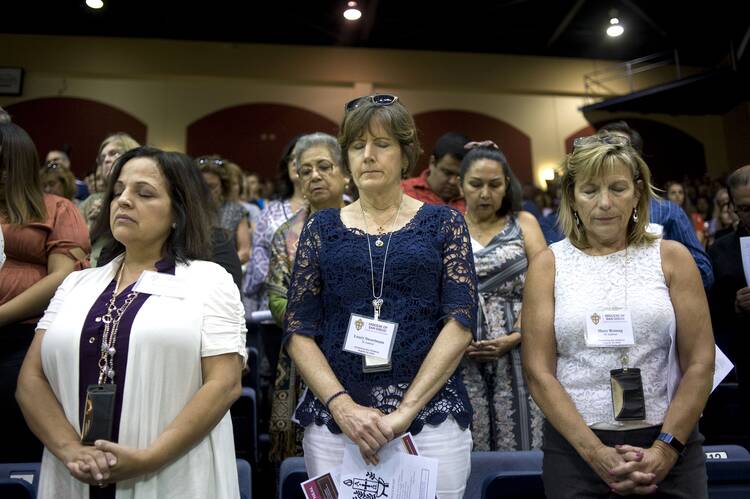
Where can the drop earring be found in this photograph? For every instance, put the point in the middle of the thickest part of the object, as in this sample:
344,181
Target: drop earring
635,214
174,225
578,220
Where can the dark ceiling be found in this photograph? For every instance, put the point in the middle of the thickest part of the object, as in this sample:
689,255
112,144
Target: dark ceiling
701,31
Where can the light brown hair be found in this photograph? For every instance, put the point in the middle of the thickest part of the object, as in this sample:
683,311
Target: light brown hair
394,118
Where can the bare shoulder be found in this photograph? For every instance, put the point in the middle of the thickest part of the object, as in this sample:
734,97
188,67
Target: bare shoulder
524,217
674,252
544,261
675,260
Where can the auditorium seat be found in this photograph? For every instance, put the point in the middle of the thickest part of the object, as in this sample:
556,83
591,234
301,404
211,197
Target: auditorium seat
728,469
245,476
514,485
24,471
250,378
245,426
291,474
13,488
486,465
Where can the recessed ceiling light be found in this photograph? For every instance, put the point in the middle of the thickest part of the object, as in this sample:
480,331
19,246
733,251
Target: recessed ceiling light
615,29
352,12
95,4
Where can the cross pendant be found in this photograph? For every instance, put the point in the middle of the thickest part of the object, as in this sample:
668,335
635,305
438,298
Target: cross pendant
376,304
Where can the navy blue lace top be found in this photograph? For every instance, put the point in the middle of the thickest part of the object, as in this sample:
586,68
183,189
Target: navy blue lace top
429,278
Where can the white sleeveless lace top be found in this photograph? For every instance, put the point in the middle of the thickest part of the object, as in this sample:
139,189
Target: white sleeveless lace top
583,282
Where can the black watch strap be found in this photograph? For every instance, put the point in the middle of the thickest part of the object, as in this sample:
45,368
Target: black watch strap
670,439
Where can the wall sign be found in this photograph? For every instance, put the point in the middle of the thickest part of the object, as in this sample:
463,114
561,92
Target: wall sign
11,81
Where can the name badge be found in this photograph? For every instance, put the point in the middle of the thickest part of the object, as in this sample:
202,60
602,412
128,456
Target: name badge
155,283
609,328
370,337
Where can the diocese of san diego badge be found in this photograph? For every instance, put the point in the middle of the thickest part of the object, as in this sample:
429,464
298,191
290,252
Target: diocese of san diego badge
358,324
595,318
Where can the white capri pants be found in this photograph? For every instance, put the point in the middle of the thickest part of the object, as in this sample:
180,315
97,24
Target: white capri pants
446,442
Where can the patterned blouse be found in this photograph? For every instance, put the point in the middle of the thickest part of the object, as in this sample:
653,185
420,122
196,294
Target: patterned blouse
429,278
274,214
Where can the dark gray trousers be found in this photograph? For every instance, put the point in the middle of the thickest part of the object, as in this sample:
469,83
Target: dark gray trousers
567,476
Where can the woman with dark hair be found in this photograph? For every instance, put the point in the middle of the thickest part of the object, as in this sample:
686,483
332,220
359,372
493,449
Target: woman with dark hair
388,264
233,217
274,214
45,240
504,239
135,364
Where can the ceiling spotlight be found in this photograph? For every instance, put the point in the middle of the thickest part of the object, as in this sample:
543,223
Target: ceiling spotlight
352,12
614,29
95,4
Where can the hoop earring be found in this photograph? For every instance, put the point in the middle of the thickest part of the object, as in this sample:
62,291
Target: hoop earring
635,214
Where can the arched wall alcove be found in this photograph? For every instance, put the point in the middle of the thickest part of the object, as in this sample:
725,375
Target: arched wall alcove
253,135
515,144
78,125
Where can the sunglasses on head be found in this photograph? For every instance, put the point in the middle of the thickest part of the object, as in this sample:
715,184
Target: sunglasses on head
377,99
211,161
53,165
610,139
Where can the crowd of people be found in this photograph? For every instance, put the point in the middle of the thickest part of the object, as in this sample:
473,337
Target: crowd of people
458,305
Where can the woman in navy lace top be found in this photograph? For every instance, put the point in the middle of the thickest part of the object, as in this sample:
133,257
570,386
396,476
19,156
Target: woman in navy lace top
428,289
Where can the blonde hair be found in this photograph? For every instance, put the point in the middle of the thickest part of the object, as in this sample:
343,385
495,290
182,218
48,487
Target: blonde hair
124,141
593,159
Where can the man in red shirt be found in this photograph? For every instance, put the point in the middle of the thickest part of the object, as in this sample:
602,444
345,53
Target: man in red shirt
439,183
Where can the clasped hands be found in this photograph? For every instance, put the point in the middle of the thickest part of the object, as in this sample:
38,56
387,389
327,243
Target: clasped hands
488,350
105,462
368,428
627,469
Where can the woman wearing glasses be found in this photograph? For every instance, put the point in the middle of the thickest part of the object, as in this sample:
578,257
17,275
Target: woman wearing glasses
319,165
503,239
233,217
613,317
111,148
385,270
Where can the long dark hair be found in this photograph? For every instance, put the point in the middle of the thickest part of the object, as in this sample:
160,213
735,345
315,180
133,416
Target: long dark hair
19,167
284,185
193,208
512,199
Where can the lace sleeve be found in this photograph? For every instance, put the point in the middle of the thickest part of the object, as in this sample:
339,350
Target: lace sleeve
304,307
459,283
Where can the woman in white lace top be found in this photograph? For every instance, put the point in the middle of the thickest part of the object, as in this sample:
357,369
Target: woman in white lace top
603,312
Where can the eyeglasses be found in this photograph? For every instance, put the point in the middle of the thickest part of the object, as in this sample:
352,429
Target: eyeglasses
112,153
324,168
610,139
377,99
53,166
211,161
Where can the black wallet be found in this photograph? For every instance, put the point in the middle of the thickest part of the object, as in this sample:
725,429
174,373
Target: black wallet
98,413
628,403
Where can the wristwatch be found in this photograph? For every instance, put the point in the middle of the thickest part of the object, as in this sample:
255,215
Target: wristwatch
670,440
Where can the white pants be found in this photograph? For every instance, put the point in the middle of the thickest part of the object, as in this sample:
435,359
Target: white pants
447,442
